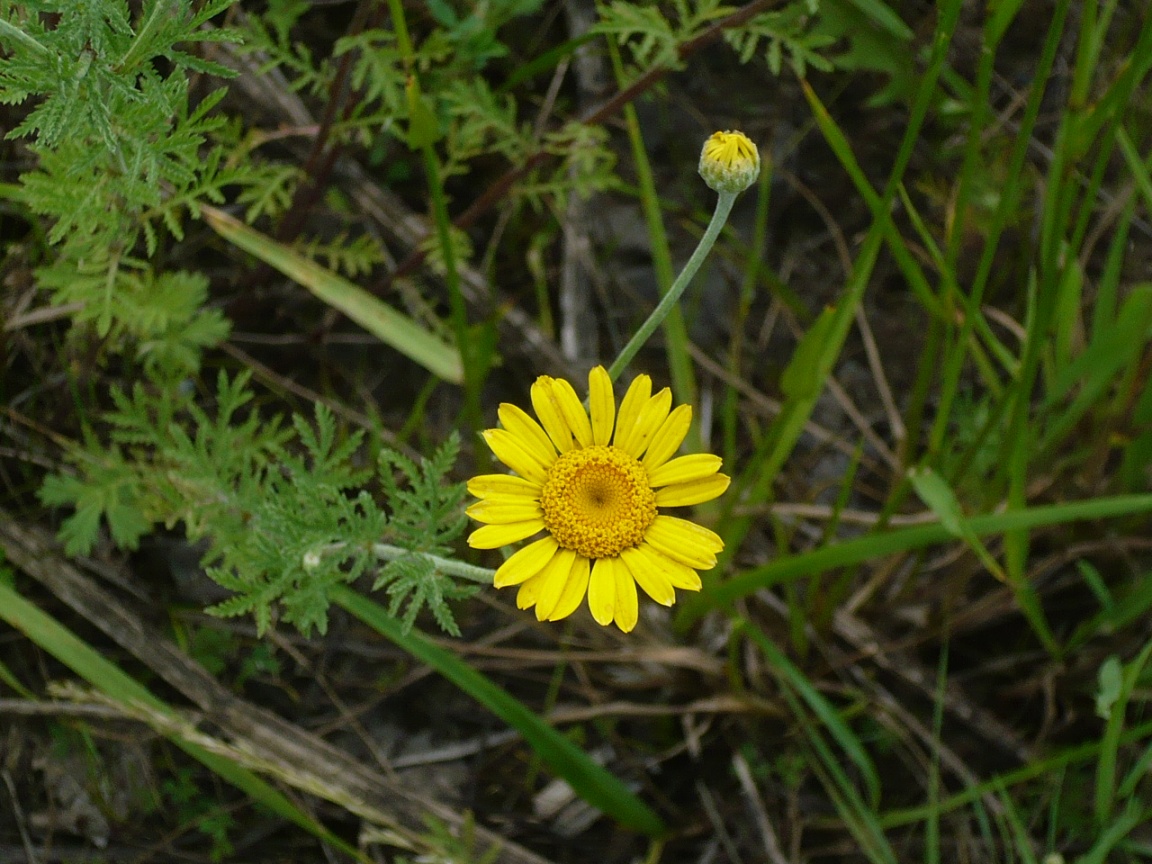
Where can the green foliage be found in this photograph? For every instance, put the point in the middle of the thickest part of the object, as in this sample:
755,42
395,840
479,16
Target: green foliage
301,534
482,122
872,44
377,71
109,490
586,163
217,649
121,152
1033,399
162,314
93,64
427,516
802,33
272,194
1109,681
973,443
211,648
270,34
193,807
350,256
452,104
652,37
788,32
124,153
285,508
473,36
260,660
461,249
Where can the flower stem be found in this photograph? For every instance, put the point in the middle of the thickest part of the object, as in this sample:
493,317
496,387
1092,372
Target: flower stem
445,565
723,207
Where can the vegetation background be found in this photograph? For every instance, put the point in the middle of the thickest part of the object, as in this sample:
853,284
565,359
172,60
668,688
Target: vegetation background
267,269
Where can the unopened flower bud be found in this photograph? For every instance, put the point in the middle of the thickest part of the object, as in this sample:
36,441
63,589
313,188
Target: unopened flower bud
729,162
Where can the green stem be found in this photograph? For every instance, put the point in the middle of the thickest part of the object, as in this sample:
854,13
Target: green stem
388,552
400,26
719,217
445,565
161,11
675,330
12,31
457,307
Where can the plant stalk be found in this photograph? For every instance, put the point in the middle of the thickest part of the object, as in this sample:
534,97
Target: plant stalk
723,207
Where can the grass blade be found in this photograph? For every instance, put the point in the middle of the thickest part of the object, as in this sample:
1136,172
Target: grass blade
883,16
786,430
790,676
938,495
375,316
860,819
1105,797
1040,768
862,549
1133,817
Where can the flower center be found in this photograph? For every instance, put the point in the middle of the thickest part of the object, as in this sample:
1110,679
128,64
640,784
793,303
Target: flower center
597,501
730,149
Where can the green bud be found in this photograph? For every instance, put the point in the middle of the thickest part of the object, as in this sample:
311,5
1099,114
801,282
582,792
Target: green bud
729,162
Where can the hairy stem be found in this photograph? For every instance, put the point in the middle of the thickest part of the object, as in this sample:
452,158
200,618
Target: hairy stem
723,207
445,565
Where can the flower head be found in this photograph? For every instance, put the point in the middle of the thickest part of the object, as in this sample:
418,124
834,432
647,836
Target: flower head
595,482
729,162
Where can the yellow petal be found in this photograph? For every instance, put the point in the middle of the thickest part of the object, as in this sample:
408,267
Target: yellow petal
529,592
548,410
504,514
495,536
668,437
512,453
555,577
627,606
684,541
651,416
602,403
602,591
680,575
649,577
526,563
486,485
509,500
534,439
685,469
694,492
574,589
573,411
634,400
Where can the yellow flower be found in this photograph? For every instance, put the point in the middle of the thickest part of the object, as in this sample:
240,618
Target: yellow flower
598,497
729,162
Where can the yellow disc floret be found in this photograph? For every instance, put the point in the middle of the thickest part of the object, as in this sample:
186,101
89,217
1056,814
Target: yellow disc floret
597,501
